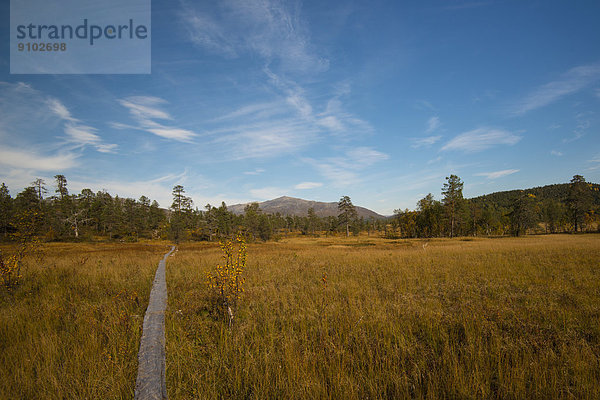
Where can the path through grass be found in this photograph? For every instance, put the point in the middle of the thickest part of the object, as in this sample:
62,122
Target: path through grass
72,329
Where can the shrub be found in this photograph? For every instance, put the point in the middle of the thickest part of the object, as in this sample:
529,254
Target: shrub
226,283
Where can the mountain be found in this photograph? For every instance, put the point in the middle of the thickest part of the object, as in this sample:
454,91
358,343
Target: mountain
293,206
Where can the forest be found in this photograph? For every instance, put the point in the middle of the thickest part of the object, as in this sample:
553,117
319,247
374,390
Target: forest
100,216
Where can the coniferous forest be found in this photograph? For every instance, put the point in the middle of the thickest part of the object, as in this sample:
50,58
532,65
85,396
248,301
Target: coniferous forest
60,215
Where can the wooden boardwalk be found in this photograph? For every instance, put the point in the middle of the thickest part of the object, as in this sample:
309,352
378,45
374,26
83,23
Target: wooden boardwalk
151,379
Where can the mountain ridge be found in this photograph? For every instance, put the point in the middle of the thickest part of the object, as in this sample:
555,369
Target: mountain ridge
286,205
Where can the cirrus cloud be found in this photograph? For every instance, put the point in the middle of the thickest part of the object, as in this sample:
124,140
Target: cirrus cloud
570,82
145,110
23,159
481,139
308,185
498,174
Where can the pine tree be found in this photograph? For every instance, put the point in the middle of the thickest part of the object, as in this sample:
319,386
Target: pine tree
347,213
453,199
523,215
6,208
579,201
181,207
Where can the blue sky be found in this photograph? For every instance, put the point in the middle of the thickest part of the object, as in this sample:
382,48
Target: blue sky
251,100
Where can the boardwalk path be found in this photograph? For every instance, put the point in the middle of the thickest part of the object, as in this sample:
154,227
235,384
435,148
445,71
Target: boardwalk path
151,379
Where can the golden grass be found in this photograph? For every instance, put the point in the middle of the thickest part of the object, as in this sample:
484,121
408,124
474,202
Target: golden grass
72,329
507,318
462,318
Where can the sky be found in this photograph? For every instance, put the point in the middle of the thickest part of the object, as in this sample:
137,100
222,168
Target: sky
378,100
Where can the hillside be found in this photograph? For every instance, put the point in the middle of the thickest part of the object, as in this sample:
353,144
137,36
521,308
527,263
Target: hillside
558,192
293,206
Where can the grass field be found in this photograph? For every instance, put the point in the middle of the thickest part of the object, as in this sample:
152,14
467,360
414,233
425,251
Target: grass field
506,318
72,329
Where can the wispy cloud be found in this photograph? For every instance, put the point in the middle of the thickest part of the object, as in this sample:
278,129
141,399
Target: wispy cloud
25,111
18,158
267,193
497,174
556,153
432,124
434,160
582,125
60,110
252,112
362,157
308,185
145,107
271,29
340,122
274,128
424,105
595,161
77,132
265,140
481,139
208,33
333,118
345,170
426,141
570,82
83,135
145,110
257,171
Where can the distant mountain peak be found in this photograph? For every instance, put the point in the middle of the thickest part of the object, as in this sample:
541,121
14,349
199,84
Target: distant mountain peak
286,205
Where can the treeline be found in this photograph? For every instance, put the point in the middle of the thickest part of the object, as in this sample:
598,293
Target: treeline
569,207
92,216
83,216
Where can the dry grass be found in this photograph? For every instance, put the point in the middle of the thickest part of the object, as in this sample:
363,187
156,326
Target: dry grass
506,318
463,318
72,329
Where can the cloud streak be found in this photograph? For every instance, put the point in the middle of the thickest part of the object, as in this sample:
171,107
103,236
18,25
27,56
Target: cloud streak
30,123
145,110
432,124
425,142
497,174
571,82
284,125
265,139
308,185
270,29
345,170
22,159
481,139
